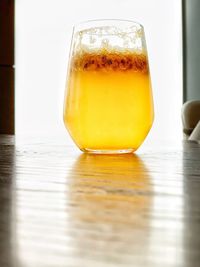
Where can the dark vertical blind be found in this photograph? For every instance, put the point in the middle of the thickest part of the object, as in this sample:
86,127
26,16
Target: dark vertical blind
191,49
7,66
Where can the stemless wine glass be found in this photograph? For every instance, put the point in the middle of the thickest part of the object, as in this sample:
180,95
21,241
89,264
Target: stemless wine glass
108,106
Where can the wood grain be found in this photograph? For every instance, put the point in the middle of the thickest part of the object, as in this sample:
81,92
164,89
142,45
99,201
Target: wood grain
62,208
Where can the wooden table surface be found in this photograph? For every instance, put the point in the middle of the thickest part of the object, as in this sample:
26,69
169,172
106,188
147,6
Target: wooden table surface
61,208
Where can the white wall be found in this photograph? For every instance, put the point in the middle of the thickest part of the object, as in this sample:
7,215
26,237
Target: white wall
43,33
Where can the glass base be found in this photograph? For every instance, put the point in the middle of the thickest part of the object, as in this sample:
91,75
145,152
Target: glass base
109,151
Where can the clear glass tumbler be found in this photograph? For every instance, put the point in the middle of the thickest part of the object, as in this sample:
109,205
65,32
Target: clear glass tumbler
108,106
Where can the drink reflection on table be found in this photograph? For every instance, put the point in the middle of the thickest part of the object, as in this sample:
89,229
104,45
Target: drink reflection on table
111,198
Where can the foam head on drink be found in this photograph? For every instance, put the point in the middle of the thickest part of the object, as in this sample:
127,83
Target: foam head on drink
109,101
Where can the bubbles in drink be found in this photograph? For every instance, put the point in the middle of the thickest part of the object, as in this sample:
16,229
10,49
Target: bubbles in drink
110,61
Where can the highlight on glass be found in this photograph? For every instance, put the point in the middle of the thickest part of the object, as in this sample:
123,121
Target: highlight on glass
108,105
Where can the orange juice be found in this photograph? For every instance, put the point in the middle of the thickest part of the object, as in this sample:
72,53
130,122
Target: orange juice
108,105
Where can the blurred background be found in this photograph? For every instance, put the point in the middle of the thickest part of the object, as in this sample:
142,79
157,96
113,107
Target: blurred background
59,207
43,32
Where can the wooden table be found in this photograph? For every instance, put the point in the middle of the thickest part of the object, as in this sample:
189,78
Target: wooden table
61,208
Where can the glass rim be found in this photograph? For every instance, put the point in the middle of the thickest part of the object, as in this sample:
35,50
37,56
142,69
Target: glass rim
85,22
